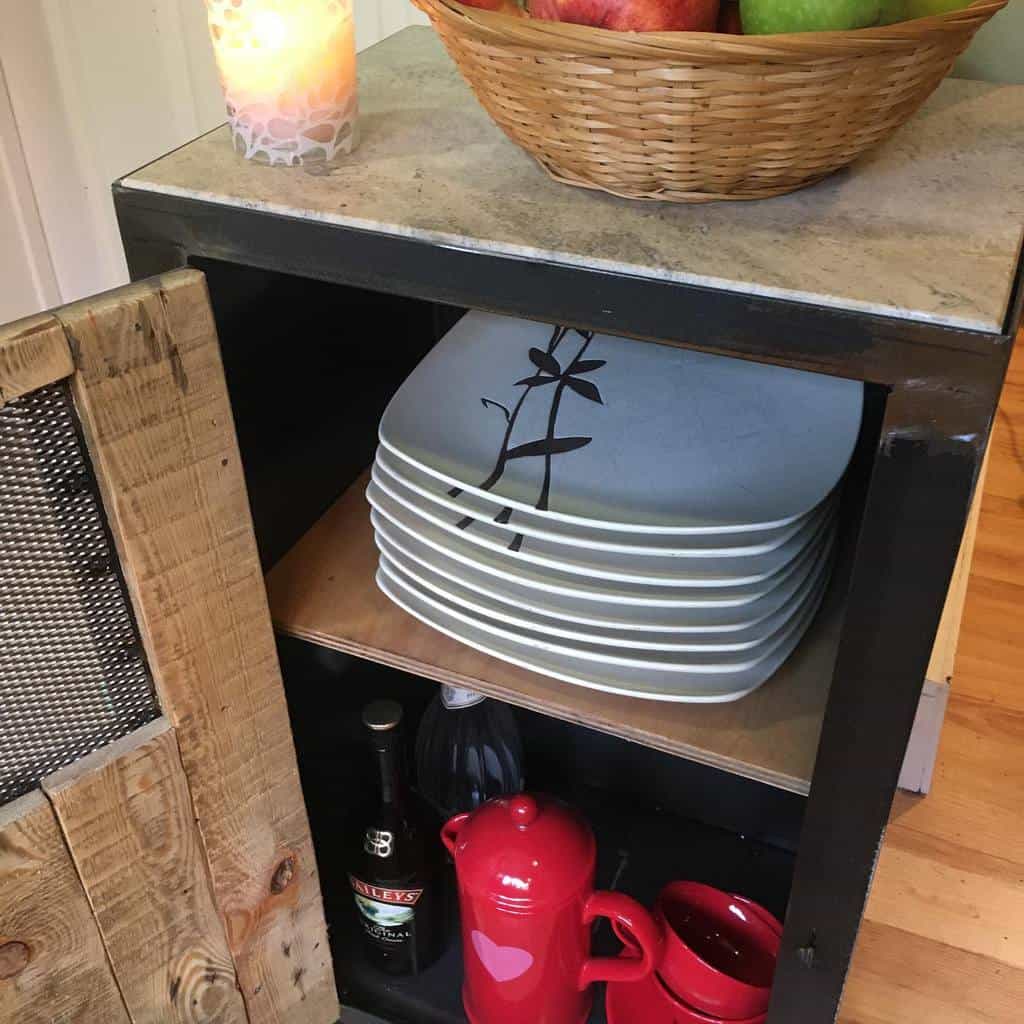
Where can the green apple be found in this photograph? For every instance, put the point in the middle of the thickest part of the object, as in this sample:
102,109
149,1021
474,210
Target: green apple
904,10
767,16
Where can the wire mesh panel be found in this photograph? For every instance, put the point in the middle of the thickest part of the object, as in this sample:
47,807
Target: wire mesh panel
72,672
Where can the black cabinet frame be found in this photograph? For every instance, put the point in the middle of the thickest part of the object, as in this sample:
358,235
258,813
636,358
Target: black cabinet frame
942,385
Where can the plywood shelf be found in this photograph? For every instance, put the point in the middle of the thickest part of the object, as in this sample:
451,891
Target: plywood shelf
323,591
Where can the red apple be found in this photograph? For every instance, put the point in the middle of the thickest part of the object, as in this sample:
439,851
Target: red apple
729,19
632,15
506,6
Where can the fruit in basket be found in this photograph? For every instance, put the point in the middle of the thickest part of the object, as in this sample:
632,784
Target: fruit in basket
762,17
505,6
632,15
905,10
729,18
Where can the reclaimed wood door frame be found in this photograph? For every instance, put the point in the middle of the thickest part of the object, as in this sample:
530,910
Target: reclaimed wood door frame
144,367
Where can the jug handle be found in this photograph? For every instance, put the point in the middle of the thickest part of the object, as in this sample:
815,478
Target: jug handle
450,831
631,922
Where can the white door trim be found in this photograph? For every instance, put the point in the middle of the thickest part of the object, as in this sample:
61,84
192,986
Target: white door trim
27,281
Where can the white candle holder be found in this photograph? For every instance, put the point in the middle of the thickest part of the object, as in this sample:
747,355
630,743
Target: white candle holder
288,68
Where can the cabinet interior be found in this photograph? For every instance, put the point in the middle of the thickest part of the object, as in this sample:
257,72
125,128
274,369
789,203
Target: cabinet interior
310,367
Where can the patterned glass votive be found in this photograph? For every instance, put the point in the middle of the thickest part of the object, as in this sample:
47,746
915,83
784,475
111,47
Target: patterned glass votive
288,68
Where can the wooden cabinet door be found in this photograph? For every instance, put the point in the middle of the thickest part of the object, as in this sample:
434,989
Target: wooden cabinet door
210,794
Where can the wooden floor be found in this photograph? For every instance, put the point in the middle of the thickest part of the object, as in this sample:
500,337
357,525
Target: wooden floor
943,938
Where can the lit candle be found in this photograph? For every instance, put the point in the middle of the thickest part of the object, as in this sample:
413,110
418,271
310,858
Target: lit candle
288,68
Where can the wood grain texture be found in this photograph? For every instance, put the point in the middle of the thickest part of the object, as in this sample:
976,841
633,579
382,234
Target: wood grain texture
902,976
989,658
33,353
53,967
940,665
1007,442
126,815
991,651
324,590
151,394
943,937
961,896
979,776
998,557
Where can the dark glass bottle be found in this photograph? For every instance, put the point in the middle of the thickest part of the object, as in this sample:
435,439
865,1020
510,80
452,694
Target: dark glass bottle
467,750
398,872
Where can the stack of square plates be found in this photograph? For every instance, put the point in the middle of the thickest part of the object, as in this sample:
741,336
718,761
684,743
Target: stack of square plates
623,516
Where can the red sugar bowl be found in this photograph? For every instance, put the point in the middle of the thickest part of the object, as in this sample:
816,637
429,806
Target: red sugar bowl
718,960
650,1002
720,950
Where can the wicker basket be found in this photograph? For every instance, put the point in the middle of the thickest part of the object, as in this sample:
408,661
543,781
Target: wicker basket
696,116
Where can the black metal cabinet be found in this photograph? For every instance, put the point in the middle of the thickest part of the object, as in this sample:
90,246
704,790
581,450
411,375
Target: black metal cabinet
936,387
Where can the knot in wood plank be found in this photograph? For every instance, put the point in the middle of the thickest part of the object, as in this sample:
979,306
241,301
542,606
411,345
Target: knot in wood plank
14,958
283,875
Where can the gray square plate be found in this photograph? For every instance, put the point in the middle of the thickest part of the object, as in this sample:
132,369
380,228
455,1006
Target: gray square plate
704,612
703,679
700,570
614,434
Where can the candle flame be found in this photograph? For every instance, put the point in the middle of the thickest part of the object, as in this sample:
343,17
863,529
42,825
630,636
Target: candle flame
269,30
266,46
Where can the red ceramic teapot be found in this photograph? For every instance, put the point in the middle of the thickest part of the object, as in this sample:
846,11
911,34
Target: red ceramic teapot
525,868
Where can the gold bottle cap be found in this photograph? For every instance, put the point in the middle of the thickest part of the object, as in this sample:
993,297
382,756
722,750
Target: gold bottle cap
382,715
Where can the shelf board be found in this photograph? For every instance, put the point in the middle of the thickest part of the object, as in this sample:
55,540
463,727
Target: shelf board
323,591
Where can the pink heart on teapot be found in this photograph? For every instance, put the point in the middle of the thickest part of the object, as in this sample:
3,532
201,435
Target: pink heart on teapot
503,963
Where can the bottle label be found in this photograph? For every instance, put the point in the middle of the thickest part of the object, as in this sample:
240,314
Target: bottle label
386,914
378,843
455,697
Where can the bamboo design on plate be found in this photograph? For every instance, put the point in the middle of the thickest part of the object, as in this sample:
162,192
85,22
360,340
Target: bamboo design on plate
547,371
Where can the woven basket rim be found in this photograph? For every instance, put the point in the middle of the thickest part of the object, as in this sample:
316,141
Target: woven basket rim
559,90
537,34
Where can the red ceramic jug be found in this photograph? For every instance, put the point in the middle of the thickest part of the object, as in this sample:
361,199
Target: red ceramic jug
525,868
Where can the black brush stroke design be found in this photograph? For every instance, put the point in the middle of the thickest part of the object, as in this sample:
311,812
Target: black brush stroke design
548,371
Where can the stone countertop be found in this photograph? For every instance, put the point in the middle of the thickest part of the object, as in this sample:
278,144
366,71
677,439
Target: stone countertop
928,227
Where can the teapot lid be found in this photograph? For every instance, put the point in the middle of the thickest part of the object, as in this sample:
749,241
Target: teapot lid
525,851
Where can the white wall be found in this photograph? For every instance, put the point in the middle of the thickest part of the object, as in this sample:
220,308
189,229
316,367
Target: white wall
997,52
27,281
97,88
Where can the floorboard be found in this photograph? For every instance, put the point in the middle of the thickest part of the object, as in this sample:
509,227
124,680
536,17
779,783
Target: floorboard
928,982
991,651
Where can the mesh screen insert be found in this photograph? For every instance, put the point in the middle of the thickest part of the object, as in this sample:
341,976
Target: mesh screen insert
72,673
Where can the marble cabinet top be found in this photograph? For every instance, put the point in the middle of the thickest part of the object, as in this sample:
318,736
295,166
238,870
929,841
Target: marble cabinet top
927,227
